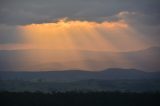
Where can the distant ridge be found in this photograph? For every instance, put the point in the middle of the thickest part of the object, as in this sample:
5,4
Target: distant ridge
75,75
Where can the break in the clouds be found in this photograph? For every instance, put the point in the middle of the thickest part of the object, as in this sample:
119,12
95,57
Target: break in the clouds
141,17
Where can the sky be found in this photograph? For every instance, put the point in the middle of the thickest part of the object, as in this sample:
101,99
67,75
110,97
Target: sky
75,34
101,25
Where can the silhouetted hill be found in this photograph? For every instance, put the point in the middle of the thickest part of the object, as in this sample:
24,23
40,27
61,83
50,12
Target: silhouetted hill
74,75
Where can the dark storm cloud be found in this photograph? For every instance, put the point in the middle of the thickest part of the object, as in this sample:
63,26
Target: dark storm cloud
144,24
142,15
9,35
39,11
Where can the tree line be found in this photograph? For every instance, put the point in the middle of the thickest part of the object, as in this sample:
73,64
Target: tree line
76,98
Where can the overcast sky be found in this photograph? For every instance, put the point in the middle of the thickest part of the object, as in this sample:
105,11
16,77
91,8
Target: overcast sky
141,15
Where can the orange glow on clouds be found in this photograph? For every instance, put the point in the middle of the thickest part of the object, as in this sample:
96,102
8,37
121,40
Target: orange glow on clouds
81,35
15,46
74,36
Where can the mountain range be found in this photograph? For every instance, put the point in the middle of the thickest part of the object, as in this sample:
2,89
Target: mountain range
77,75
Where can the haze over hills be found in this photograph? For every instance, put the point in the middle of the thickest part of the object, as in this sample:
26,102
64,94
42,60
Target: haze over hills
47,71
76,75
49,60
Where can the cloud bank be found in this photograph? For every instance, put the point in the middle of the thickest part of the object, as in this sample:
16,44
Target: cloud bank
140,17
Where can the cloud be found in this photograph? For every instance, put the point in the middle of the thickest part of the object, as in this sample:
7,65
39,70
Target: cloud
38,11
83,35
142,16
146,25
10,34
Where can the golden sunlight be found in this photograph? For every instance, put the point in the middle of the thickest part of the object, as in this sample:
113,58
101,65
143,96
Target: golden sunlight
66,42
83,35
